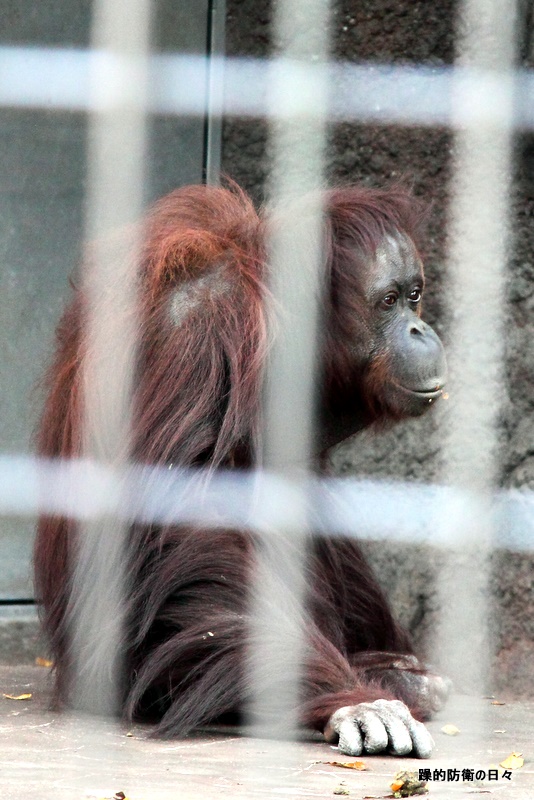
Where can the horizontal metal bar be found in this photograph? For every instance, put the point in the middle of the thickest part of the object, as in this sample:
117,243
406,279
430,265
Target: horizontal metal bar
59,78
379,510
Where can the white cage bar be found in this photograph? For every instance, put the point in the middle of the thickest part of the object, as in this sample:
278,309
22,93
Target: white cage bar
479,248
297,138
116,175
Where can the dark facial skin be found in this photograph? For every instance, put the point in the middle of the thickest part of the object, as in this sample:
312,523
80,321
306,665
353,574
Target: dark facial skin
400,365
415,355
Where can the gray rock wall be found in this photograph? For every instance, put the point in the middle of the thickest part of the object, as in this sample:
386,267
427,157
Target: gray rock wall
418,32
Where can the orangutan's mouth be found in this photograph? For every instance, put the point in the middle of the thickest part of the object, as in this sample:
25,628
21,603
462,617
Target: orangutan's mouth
428,395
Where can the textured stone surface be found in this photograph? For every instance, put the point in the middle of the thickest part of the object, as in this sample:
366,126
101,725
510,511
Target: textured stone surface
418,32
20,637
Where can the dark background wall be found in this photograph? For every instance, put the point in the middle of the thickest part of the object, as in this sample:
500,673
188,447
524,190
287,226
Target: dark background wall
42,190
419,32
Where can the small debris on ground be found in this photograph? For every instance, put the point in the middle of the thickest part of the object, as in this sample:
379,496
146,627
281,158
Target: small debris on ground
43,662
407,784
450,730
514,761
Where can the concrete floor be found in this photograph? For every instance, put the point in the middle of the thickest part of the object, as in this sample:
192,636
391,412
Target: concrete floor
47,756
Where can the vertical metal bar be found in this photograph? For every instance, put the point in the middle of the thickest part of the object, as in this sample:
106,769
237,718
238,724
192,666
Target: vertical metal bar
214,119
478,256
297,139
116,158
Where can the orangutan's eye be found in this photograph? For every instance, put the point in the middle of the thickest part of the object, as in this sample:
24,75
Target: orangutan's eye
390,299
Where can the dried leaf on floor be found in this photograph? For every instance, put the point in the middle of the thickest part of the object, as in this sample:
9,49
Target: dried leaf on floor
27,696
43,662
450,730
514,761
346,764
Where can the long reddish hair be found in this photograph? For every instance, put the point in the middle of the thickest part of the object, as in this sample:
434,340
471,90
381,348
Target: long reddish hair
204,329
